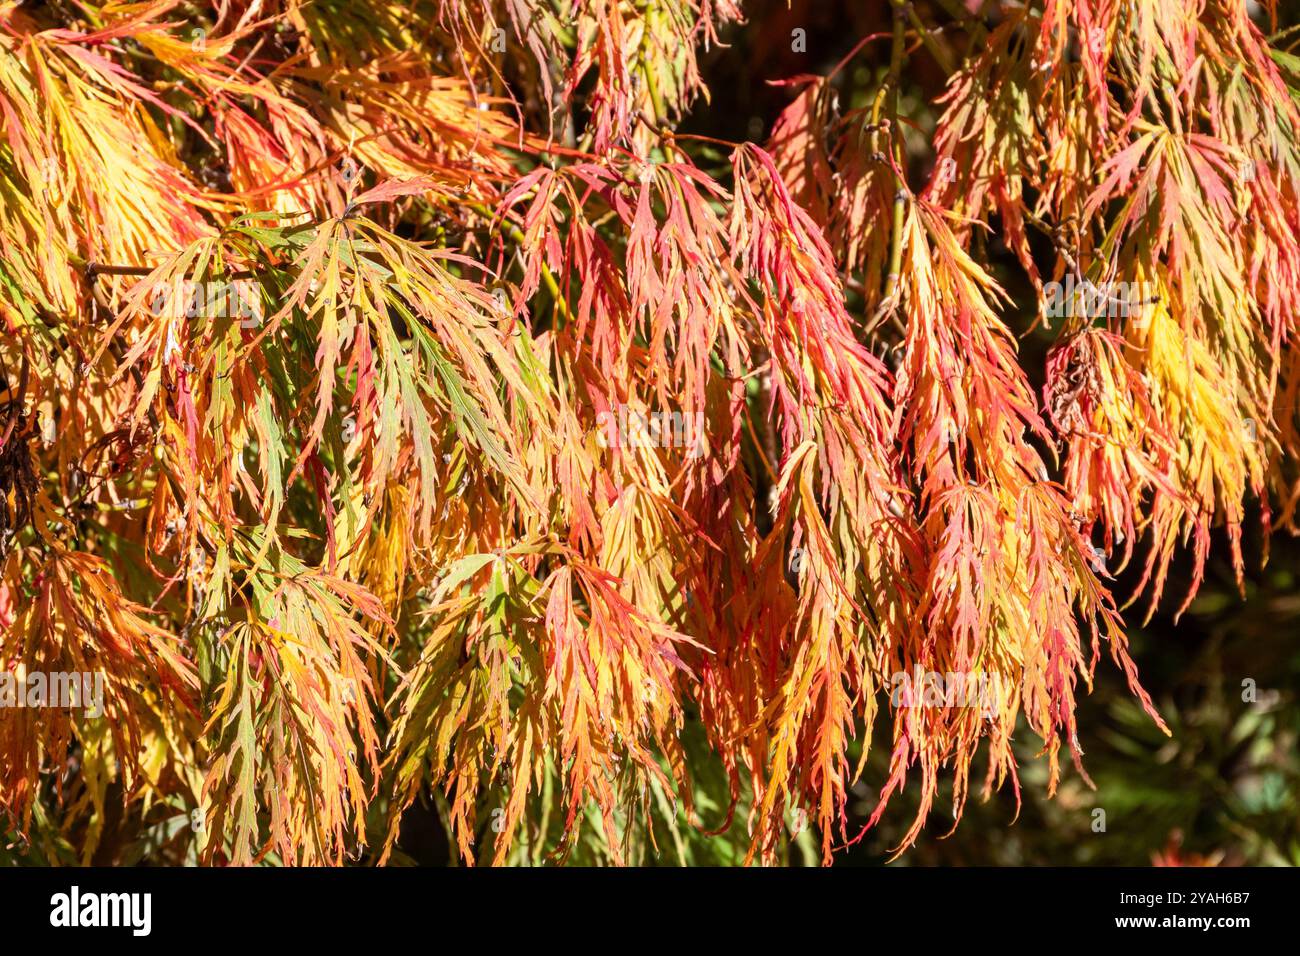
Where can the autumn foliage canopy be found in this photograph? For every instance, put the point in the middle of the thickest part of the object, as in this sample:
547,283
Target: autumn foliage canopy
411,405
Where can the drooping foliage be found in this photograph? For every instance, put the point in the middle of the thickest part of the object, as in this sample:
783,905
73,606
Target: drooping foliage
403,407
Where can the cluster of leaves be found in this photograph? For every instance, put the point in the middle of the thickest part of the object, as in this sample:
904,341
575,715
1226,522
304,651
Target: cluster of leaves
370,542
1223,790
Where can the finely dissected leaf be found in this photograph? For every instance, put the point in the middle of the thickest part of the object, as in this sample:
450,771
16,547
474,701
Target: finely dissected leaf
406,403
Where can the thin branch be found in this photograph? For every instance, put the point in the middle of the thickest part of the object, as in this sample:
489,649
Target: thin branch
889,299
927,37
